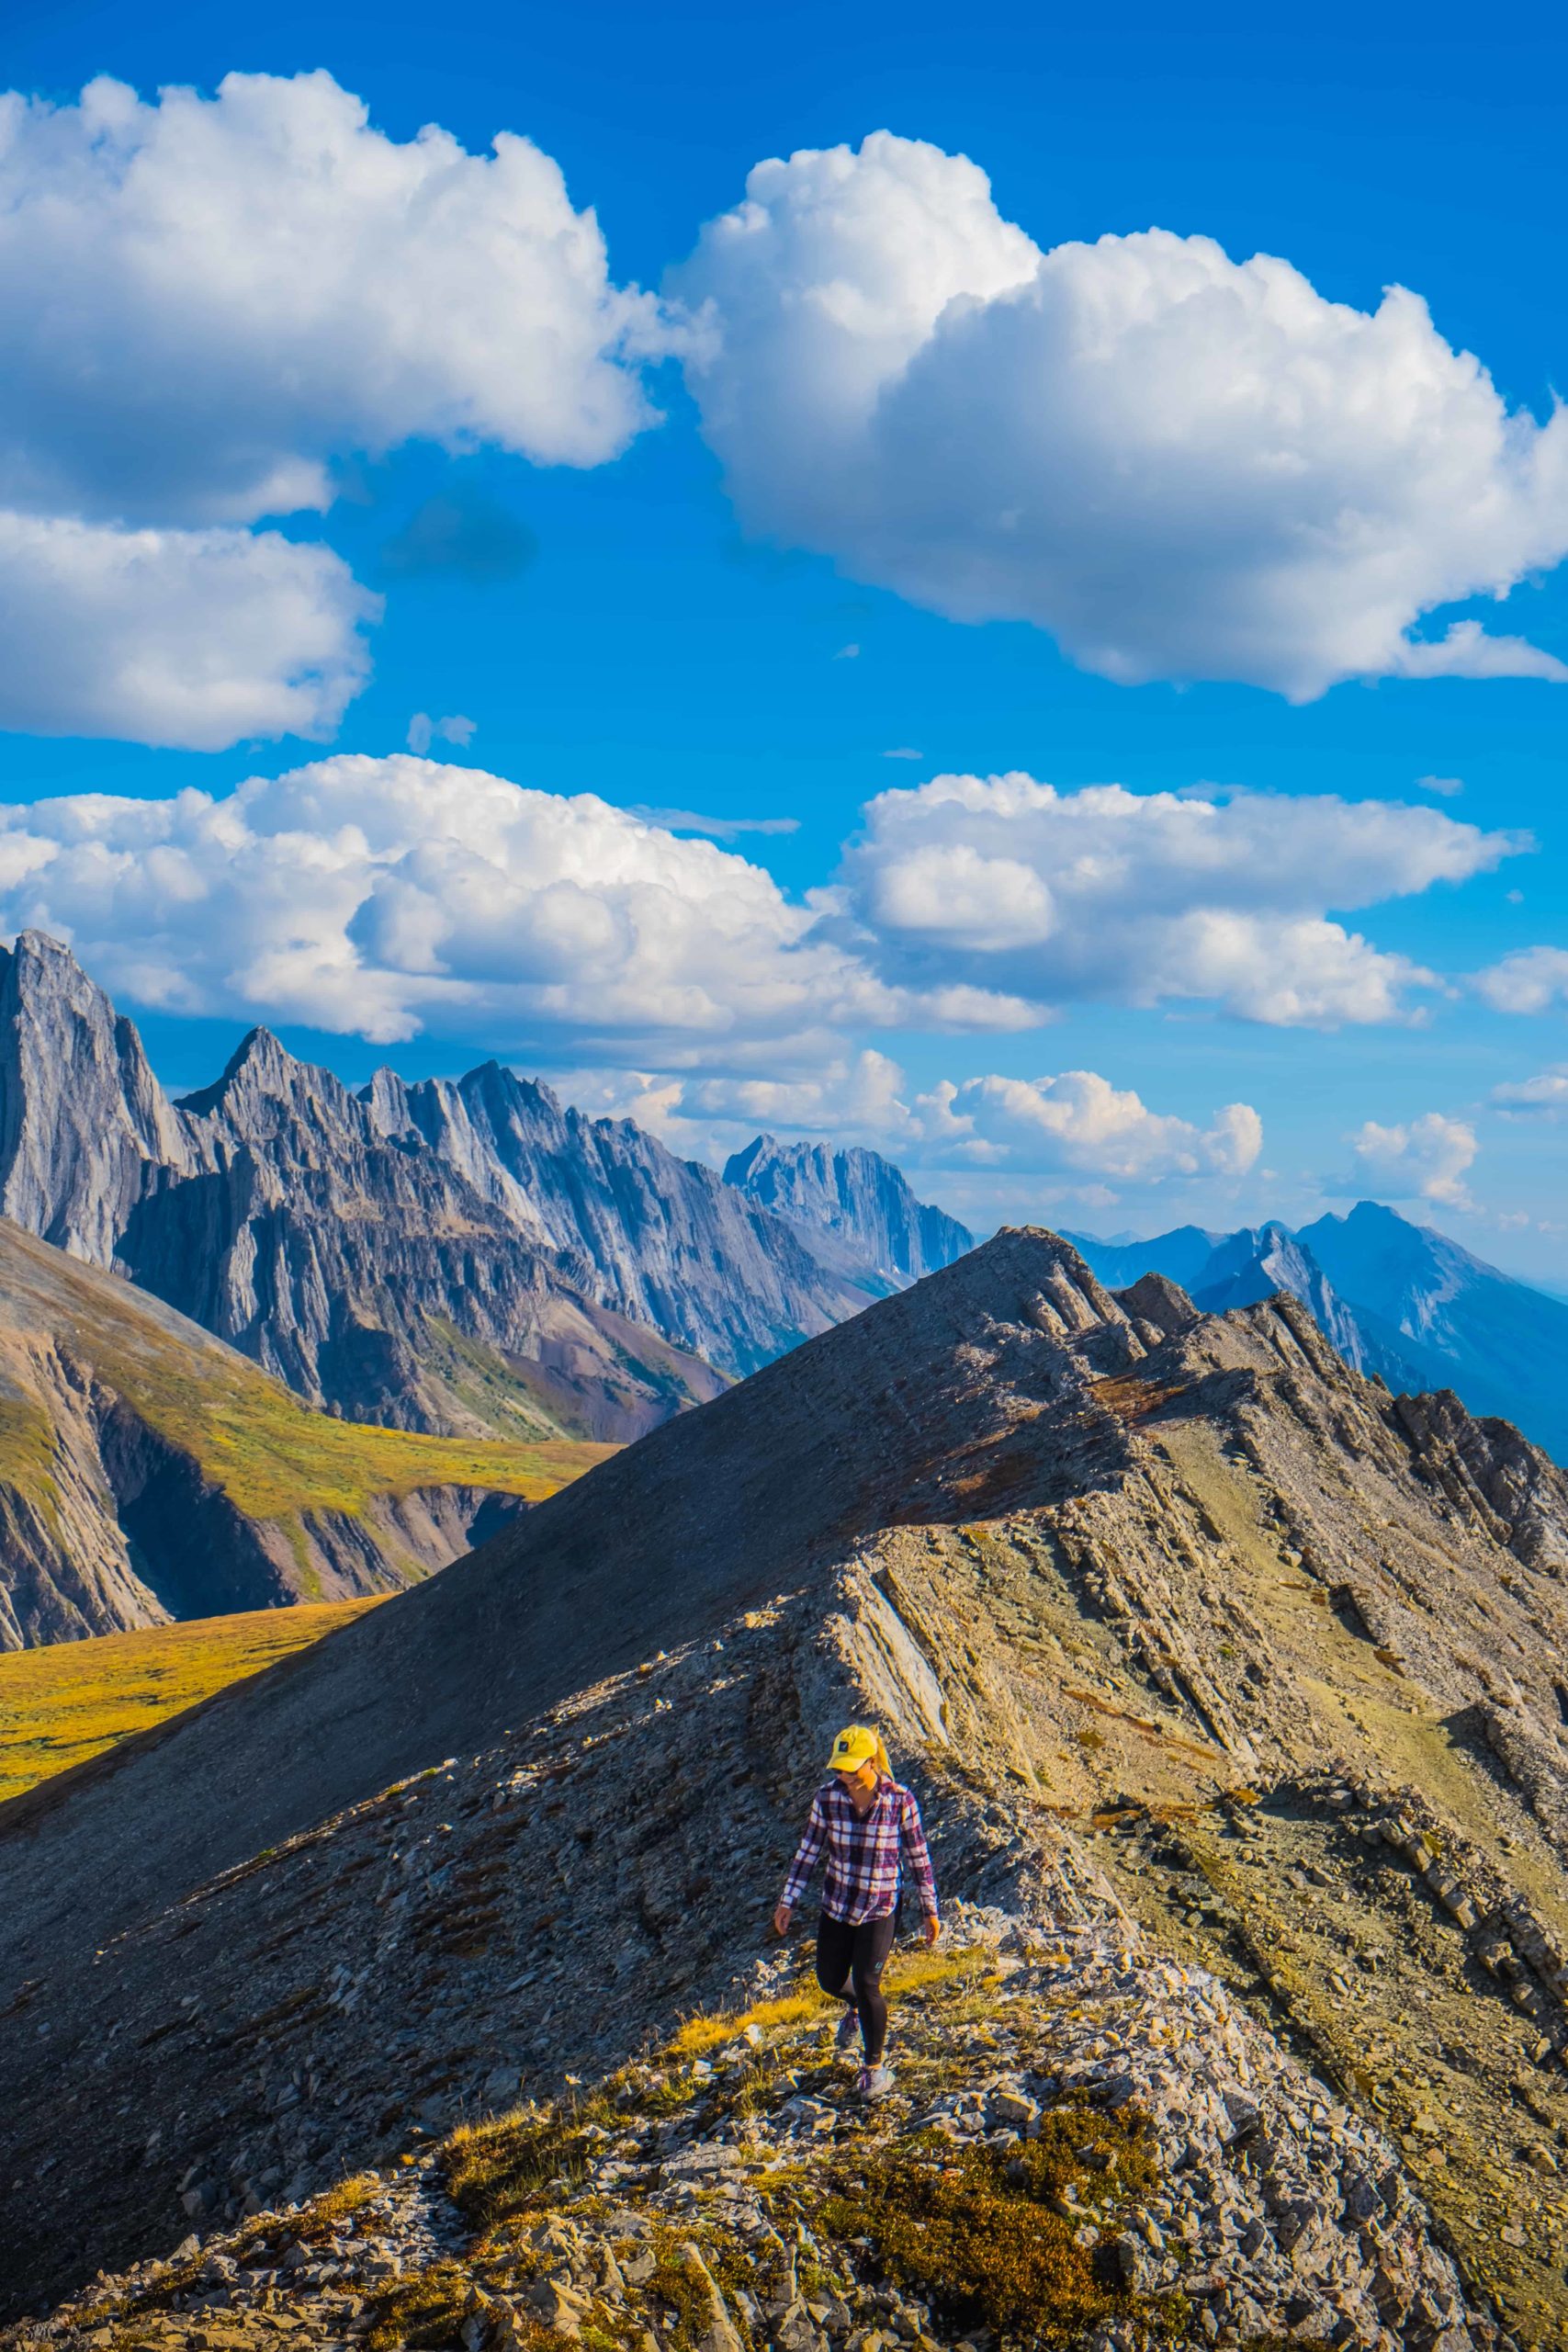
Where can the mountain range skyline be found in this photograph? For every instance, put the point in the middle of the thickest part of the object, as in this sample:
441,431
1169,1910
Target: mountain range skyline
472,1257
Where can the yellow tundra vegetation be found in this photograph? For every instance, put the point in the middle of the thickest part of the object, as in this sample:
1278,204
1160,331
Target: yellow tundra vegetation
64,1704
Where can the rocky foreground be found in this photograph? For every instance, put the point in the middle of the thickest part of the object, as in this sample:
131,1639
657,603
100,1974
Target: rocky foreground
1086,2146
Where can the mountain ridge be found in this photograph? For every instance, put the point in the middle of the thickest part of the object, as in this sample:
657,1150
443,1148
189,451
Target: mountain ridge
854,1193
1170,1604
1397,1299
462,1257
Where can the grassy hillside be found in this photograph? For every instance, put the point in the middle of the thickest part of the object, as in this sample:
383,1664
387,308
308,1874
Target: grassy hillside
273,1456
62,1704
270,1453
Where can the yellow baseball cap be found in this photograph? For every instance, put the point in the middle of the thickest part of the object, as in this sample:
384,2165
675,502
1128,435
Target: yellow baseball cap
855,1746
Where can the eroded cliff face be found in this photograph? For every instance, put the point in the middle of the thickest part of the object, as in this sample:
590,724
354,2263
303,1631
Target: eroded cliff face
854,1195
82,1117
1178,1626
147,1471
374,1279
664,1241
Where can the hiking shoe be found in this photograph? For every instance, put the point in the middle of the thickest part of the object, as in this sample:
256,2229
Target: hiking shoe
849,2030
874,2082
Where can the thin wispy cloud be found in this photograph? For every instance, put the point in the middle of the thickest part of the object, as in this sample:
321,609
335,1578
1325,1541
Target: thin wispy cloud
423,731
720,829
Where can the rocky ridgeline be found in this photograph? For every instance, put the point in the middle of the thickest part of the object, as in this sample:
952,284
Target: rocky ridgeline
463,1257
1182,1595
1067,2109
854,1193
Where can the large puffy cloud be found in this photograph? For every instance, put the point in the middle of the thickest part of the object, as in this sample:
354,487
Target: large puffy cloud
1181,466
384,895
207,299
1425,1158
184,638
1005,883
1074,1126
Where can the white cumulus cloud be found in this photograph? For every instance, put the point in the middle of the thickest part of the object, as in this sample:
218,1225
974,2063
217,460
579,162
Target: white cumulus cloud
1079,1124
1182,466
1076,1125
208,300
1425,1158
191,640
1532,979
1005,883
386,896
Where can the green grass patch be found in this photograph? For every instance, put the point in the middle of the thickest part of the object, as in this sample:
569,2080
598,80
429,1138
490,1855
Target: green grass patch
273,1456
27,1452
268,1452
503,2166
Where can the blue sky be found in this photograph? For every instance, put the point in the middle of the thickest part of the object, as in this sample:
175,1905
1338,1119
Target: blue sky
637,628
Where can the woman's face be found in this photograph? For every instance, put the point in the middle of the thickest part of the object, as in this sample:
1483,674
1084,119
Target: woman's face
861,1780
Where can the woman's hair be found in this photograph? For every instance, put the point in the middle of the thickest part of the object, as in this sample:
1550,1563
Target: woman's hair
883,1763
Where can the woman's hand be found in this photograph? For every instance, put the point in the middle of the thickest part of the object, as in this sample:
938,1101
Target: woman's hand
930,1927
781,1918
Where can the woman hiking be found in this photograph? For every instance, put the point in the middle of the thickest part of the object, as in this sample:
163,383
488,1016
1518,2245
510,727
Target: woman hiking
867,1825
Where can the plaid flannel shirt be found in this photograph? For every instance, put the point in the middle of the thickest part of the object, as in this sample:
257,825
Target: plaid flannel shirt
864,1851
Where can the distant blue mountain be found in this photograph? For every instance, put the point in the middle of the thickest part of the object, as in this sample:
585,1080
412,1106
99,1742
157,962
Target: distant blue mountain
1397,1299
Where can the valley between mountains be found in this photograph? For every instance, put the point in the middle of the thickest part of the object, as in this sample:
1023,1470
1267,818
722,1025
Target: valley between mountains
417,1990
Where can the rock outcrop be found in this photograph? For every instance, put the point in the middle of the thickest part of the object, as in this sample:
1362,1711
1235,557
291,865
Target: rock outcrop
1102,2149
149,1472
857,1196
664,1241
1397,1300
1181,1630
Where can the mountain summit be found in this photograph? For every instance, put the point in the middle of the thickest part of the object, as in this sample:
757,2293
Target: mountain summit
1173,1619
1396,1299
856,1194
467,1257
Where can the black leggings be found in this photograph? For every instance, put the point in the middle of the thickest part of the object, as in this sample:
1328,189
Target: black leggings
849,1961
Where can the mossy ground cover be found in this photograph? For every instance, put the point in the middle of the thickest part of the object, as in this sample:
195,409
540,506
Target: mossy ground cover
982,2233
64,1704
992,2237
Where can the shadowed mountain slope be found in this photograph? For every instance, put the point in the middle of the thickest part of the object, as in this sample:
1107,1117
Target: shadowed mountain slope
908,1414
1286,1646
